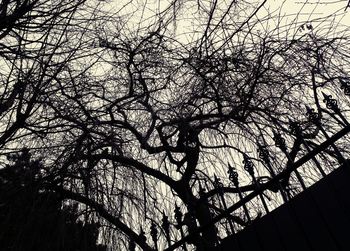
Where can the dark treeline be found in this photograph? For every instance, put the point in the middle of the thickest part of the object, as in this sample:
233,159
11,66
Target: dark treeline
33,218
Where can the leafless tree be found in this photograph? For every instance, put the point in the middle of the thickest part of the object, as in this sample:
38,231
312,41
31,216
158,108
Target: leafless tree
34,49
140,113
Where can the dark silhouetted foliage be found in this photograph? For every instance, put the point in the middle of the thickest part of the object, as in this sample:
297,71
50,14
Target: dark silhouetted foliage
35,219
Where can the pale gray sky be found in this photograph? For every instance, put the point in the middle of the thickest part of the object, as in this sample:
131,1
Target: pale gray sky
328,14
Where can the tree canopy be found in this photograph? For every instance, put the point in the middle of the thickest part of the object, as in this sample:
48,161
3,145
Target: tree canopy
138,110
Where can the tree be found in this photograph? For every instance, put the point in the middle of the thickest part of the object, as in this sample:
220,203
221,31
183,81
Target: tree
142,123
34,219
34,48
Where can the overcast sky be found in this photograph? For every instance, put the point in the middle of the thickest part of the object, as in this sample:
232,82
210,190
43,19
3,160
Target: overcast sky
329,15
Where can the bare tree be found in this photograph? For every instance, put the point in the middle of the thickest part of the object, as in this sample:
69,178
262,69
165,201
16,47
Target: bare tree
143,120
34,50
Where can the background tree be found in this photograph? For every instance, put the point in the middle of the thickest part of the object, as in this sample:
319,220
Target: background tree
34,48
36,219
